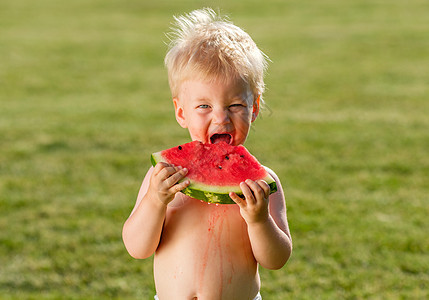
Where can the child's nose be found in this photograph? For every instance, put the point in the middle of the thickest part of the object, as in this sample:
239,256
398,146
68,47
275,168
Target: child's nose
221,117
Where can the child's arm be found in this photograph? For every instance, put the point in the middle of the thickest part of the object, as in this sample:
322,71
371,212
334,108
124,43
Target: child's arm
266,220
142,230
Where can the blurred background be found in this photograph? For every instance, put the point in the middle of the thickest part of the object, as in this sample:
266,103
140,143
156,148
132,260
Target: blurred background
84,101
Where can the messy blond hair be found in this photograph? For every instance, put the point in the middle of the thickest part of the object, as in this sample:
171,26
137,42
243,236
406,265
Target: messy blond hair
206,46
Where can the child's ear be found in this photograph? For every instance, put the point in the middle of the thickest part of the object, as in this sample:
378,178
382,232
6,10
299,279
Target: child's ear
178,110
255,111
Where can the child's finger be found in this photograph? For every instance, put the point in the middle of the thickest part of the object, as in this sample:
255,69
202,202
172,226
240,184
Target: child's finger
256,189
166,172
175,177
264,185
158,168
247,192
178,187
237,199
259,189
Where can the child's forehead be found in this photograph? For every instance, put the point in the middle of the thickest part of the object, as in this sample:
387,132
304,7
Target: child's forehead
229,86
201,90
234,82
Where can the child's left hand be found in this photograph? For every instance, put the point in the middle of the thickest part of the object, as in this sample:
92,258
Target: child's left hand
254,208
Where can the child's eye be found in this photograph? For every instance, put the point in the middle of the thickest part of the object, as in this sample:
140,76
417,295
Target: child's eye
236,106
203,106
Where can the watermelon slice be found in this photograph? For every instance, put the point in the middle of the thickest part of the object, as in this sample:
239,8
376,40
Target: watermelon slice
214,170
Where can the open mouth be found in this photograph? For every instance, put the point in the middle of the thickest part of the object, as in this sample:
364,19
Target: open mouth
221,137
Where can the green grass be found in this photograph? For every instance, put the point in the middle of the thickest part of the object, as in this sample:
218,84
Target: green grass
84,101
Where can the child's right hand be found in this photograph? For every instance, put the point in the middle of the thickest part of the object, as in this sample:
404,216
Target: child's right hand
164,182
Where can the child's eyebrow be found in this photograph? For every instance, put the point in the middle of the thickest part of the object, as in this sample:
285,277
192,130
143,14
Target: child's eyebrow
243,98
202,99
240,99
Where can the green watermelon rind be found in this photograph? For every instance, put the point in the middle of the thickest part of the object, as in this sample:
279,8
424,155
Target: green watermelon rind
210,193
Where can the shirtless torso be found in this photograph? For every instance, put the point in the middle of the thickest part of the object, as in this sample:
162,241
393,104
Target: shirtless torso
204,253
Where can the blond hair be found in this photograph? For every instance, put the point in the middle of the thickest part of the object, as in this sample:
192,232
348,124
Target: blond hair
205,45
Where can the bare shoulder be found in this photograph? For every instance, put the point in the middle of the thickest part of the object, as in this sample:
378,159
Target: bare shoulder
277,204
273,174
279,193
145,183
143,188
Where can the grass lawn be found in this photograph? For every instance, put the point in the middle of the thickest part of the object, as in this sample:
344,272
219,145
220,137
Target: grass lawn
84,100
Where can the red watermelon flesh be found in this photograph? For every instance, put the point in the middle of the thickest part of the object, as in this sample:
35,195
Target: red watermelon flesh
214,170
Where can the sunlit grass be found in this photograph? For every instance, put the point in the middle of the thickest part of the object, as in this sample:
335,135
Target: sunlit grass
84,100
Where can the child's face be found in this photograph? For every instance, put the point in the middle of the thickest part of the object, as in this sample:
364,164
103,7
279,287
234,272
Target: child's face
216,111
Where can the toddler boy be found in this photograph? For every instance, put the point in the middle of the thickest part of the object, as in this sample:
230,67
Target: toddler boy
205,251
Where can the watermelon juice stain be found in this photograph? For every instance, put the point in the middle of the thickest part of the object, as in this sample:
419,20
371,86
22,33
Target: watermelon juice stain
215,245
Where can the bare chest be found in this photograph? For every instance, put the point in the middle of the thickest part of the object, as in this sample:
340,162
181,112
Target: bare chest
208,245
